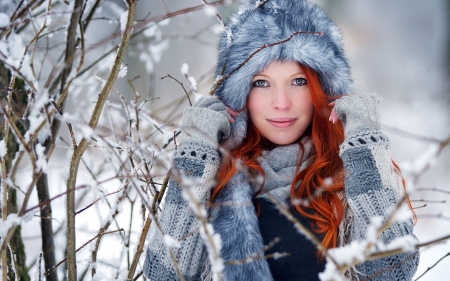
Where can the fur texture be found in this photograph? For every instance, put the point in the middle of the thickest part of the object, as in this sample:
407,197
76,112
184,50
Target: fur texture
254,26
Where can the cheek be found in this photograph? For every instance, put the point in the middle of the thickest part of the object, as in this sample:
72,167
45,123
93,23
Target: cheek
252,106
306,106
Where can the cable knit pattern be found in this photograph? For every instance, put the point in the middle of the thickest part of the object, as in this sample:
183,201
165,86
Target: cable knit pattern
197,158
372,187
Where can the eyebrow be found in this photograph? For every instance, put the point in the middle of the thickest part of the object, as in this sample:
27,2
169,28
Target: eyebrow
263,75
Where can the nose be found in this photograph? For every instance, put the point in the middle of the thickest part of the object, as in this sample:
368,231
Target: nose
281,99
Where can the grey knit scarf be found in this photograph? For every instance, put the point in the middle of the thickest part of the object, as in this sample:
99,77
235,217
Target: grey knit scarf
235,218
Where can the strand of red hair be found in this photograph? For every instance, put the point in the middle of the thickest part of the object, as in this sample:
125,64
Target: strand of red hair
325,209
323,179
319,183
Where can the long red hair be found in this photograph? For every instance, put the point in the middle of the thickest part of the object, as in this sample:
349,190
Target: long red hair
323,179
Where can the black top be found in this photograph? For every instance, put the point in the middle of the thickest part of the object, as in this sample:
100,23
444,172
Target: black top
303,262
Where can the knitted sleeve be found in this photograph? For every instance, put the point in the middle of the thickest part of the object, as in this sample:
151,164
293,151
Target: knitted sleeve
372,186
196,158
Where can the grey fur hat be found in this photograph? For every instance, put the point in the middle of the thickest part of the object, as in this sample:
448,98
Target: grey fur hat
259,22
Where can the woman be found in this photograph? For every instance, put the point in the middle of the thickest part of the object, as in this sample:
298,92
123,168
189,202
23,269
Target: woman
271,113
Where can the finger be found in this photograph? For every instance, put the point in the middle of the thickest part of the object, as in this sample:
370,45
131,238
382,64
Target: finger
231,112
333,116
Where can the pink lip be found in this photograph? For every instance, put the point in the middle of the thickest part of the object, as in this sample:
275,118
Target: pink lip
281,122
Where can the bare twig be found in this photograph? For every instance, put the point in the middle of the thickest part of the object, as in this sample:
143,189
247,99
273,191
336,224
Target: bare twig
410,135
431,267
176,134
106,226
302,229
72,135
181,84
84,245
428,201
260,5
433,189
140,248
420,207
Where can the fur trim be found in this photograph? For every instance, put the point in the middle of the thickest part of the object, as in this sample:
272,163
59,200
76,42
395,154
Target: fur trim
276,20
254,26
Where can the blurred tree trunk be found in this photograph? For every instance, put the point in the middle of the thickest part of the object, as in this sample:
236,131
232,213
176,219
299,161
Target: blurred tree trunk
48,245
16,243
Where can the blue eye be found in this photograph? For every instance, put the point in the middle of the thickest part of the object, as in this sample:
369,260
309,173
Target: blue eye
260,84
299,81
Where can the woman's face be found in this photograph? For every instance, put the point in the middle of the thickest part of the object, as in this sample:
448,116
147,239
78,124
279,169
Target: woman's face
279,103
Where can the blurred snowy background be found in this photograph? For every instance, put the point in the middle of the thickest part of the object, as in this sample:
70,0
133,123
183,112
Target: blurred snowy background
398,49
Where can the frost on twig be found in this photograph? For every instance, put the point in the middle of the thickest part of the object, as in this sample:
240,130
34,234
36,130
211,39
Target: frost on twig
39,270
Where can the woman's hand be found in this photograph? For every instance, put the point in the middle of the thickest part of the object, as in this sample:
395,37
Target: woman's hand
356,112
333,116
208,120
232,114
214,103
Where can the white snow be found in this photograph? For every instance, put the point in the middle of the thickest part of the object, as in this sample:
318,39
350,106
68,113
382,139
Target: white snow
123,71
41,161
3,48
184,69
157,50
372,229
330,273
16,46
123,21
403,214
428,157
10,221
218,78
35,122
48,20
4,20
229,35
164,22
171,242
193,83
40,101
29,216
216,28
217,264
153,30
3,148
328,181
406,243
277,255
86,131
210,11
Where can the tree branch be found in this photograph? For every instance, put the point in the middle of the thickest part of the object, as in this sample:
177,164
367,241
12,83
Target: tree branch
78,151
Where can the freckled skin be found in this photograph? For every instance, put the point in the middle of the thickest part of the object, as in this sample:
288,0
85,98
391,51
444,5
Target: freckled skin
279,103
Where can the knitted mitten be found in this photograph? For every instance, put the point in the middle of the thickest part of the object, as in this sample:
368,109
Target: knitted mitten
372,186
358,112
206,121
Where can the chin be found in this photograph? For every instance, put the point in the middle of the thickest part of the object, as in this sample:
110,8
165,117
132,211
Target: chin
282,141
